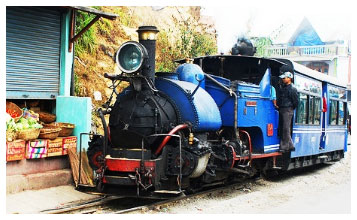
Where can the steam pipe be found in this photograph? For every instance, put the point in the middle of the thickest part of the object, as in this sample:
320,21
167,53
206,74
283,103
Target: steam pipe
235,103
167,138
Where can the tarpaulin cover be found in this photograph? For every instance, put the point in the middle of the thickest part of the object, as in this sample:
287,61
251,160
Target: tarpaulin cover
308,38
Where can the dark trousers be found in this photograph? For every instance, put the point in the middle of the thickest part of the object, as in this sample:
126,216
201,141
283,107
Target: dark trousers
285,119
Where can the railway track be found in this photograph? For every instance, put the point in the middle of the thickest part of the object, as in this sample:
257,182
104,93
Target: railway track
126,205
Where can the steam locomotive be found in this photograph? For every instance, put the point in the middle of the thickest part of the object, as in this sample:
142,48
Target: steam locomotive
210,122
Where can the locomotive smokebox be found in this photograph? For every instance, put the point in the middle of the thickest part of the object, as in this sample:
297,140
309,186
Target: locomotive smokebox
147,37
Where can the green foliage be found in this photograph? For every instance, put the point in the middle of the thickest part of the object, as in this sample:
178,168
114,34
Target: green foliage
124,16
203,44
194,43
261,44
104,27
87,42
190,43
166,53
77,85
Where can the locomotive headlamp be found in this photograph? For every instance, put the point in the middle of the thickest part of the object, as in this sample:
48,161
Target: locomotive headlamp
130,56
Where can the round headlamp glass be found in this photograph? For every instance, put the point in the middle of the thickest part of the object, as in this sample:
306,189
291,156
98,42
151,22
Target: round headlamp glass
130,57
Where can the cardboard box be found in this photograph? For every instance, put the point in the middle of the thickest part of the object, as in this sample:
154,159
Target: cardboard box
70,139
53,154
38,143
69,142
15,150
36,149
55,151
35,156
58,142
14,157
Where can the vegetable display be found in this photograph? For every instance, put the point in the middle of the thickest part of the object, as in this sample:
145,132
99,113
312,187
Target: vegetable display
29,123
22,124
13,113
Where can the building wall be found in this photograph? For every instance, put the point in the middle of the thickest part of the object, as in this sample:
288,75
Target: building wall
342,65
71,109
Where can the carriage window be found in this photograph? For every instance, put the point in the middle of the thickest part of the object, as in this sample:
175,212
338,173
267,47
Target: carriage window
301,111
317,109
341,113
333,112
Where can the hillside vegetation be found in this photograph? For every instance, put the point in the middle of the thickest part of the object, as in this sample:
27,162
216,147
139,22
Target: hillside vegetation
182,34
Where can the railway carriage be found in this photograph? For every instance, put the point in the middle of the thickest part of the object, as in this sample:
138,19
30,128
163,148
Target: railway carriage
210,122
319,128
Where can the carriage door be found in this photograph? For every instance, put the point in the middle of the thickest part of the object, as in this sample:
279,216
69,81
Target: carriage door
324,117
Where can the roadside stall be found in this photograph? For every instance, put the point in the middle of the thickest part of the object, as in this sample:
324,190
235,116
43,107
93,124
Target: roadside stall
41,120
32,134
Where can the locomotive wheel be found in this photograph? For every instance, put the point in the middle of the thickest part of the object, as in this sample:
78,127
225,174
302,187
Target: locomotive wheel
95,160
95,153
268,174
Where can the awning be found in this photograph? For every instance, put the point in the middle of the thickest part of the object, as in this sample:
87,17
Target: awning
99,14
106,15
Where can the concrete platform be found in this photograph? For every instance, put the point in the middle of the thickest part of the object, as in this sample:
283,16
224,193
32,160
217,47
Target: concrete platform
19,183
35,201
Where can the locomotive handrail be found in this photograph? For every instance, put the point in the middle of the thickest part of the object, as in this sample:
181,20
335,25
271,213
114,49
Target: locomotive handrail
105,127
168,137
250,145
231,92
111,76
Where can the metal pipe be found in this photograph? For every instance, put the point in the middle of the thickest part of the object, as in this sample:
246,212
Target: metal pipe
231,92
167,138
101,115
250,144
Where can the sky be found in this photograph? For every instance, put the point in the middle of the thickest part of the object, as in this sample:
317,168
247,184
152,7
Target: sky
261,19
234,18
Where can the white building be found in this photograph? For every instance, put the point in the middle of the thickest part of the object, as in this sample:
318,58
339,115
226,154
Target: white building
323,48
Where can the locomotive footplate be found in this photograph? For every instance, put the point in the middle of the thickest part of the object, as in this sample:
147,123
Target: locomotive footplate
124,171
257,156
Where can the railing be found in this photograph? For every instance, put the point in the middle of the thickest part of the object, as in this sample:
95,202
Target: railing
321,50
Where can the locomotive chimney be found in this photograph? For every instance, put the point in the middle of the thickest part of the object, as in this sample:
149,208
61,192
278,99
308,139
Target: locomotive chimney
147,37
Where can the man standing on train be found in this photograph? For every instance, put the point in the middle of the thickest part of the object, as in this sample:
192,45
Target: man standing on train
287,102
